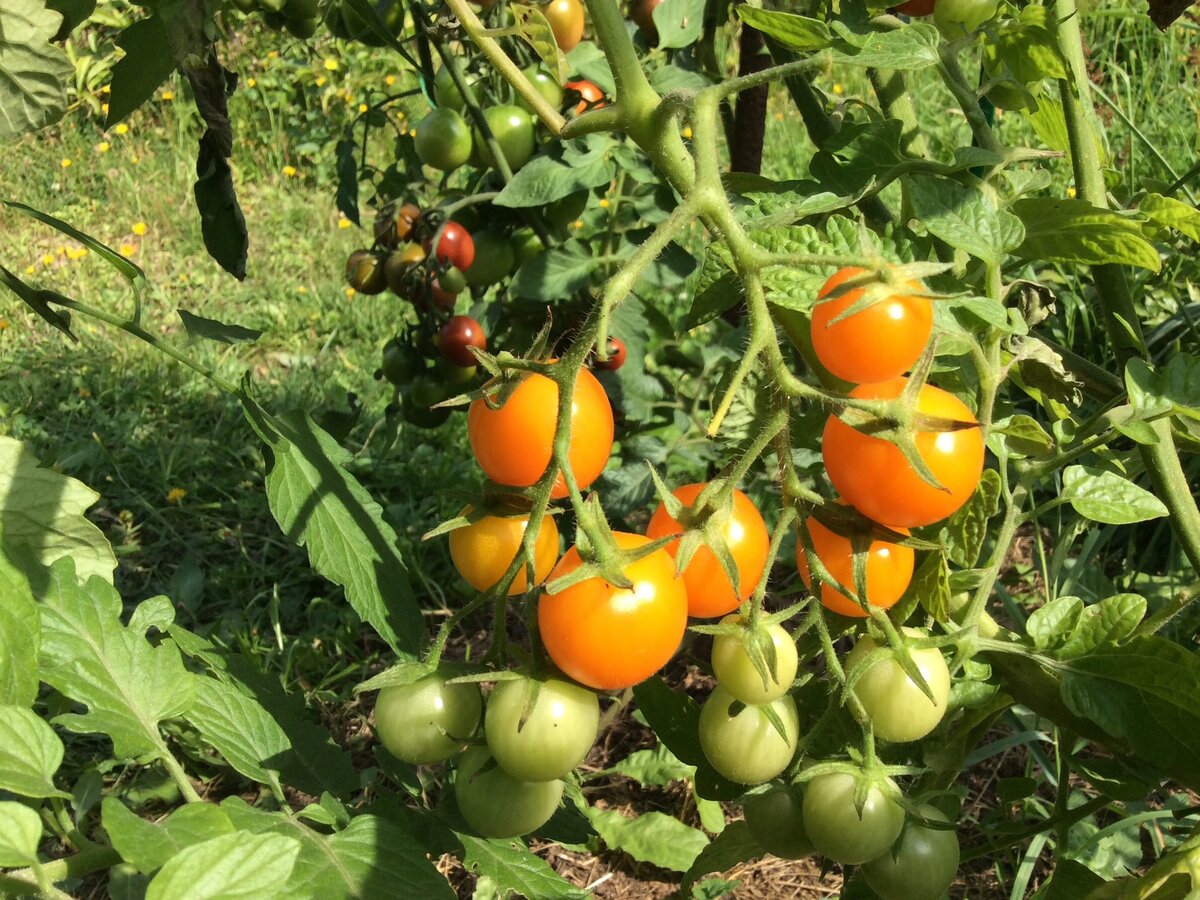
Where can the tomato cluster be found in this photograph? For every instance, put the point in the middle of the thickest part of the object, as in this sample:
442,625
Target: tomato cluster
300,18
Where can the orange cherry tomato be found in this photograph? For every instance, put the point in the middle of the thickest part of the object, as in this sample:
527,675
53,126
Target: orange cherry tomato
889,570
708,589
609,637
482,550
514,444
566,21
874,477
876,343
591,97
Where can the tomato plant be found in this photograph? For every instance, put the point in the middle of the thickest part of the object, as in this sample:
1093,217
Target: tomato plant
617,353
497,805
958,17
566,21
513,131
443,140
454,247
710,592
735,668
899,710
590,95
922,864
609,637
742,742
776,820
539,731
889,569
875,478
843,830
426,721
483,550
457,336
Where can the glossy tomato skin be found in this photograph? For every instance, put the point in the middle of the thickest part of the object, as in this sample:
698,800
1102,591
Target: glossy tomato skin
736,673
446,92
457,336
426,721
566,21
397,265
616,356
545,85
483,550
525,245
608,637
745,747
494,258
776,821
513,130
897,707
875,344
921,866
642,14
915,8
590,96
889,570
455,247
497,805
514,444
874,477
709,591
364,272
838,830
443,140
956,18
547,738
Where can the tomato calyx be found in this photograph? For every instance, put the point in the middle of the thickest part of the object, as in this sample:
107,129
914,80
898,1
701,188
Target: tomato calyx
902,652
704,523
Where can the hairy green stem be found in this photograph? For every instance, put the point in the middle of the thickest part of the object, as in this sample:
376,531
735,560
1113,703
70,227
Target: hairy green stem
26,881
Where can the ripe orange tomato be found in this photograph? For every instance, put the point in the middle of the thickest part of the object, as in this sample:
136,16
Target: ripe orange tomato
876,343
591,97
514,444
915,8
482,550
566,21
889,570
875,478
609,637
708,589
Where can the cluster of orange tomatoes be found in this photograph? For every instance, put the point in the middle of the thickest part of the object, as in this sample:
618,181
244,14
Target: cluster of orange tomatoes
603,637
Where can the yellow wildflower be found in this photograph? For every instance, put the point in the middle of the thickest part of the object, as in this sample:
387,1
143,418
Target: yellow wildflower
251,82
139,228
122,129
128,250
168,95
390,80
66,163
289,171
104,108
350,292
362,107
577,224
174,495
135,159
3,324
687,133
331,65
838,90
103,147
1071,192
272,54
47,259
343,222
604,204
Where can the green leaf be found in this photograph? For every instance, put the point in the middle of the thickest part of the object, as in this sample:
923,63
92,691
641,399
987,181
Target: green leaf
904,49
545,179
556,272
346,154
656,767
147,63
1106,497
150,845
1175,389
199,327
20,834
1168,213
321,506
716,290
1143,692
793,31
931,584
734,845
20,637
74,13
967,529
652,837
34,75
1108,622
1054,623
535,30
1074,231
127,684
679,22
1022,436
30,754
130,271
515,870
850,160
222,224
966,219
42,518
231,866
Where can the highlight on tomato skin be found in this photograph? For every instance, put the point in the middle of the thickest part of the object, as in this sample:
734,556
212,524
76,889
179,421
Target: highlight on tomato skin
889,569
709,590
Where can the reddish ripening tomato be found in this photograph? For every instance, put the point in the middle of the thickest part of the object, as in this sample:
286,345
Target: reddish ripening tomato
458,336
483,550
616,356
455,247
591,97
875,343
915,8
889,570
609,637
566,21
875,478
708,588
514,444
643,15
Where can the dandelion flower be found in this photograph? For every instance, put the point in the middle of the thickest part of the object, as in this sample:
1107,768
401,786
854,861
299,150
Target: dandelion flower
289,171
343,222
47,259
687,133
331,65
174,495
168,95
128,250
139,228
122,129
65,163
103,147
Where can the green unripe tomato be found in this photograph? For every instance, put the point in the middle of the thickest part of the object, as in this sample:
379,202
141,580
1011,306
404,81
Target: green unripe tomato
839,830
426,721
513,130
526,245
737,674
494,258
275,21
921,866
776,821
272,6
453,375
497,805
745,747
301,9
303,28
400,364
955,18
898,709
562,212
446,92
549,738
453,281
443,140
545,85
